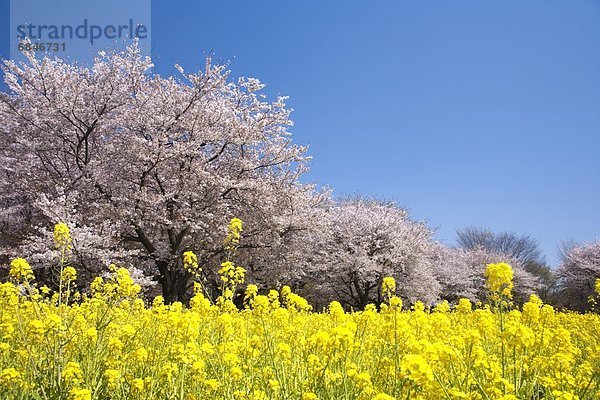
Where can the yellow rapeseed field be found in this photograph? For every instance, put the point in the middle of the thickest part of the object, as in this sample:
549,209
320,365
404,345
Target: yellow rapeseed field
109,344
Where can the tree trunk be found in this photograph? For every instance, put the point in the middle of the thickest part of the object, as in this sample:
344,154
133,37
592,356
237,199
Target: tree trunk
362,292
174,283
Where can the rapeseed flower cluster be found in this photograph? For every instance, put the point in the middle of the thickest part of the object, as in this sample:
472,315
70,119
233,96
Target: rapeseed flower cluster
20,270
110,344
388,286
62,236
234,234
190,263
231,275
499,280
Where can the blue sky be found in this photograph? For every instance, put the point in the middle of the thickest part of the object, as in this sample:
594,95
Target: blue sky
467,112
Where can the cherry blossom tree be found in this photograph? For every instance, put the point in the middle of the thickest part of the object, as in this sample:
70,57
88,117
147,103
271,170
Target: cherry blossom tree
461,273
577,274
148,167
144,168
367,240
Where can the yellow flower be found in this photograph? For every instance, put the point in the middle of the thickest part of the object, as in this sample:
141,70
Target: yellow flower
80,394
274,385
62,236
273,297
190,262
169,370
234,231
137,386
395,303
231,274
212,384
119,285
560,395
597,286
464,306
251,292
259,395
335,309
20,269
68,275
363,380
113,377
383,396
284,351
140,355
72,373
36,328
499,279
442,307
416,368
419,306
236,373
388,286
11,378
91,334
296,302
239,275
261,303
285,291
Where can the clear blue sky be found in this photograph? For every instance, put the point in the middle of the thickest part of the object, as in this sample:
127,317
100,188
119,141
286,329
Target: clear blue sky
467,112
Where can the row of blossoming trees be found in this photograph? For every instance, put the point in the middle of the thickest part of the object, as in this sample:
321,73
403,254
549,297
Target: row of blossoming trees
144,168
